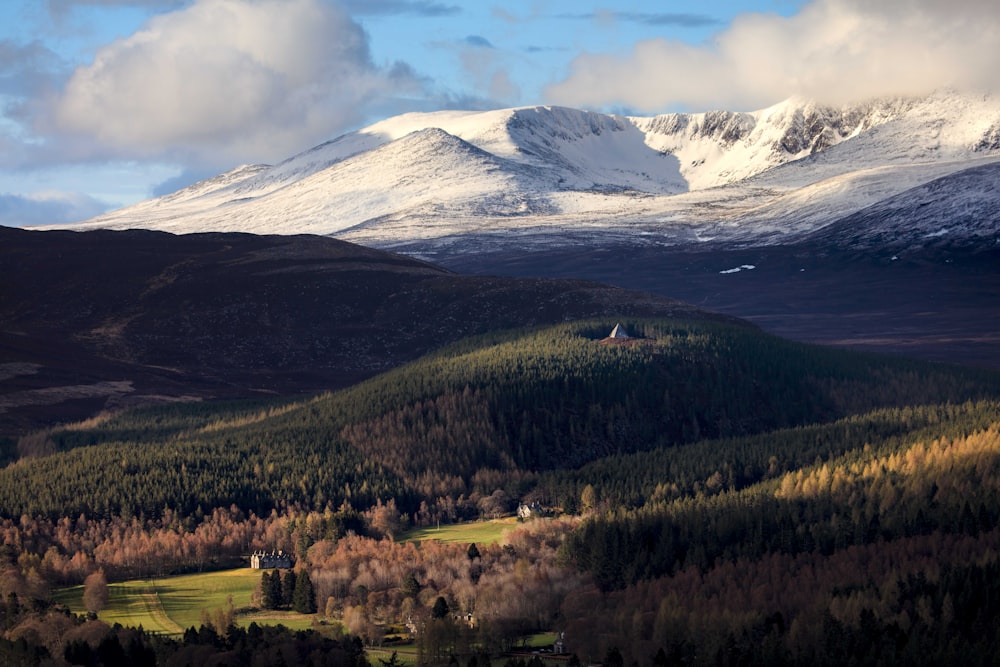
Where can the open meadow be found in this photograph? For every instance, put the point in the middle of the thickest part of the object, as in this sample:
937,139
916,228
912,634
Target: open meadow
170,605
478,532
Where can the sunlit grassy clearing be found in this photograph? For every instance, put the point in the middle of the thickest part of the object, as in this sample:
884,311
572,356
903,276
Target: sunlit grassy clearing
290,619
130,603
406,655
172,604
480,532
185,597
542,639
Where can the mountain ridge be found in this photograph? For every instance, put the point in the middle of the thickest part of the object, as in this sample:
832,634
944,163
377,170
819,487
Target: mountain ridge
819,199
555,170
105,319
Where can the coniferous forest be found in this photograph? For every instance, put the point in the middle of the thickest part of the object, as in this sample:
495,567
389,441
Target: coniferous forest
724,497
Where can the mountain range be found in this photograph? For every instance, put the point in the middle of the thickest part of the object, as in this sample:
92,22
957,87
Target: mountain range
874,225
746,499
522,177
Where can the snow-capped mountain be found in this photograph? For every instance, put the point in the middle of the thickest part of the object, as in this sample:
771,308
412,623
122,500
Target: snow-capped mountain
558,174
960,209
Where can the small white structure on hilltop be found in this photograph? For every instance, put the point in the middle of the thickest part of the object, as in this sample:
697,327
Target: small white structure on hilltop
618,332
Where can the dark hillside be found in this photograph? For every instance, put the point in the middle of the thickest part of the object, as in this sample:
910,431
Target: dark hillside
95,320
936,303
485,414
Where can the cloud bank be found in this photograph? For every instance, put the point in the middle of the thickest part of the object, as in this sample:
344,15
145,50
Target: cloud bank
835,51
48,208
227,81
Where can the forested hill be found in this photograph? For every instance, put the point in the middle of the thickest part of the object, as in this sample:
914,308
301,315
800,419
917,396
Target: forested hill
94,320
478,418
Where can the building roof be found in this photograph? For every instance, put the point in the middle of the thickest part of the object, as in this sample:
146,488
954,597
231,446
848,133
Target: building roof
618,332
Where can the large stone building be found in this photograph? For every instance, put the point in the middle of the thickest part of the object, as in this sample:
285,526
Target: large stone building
261,560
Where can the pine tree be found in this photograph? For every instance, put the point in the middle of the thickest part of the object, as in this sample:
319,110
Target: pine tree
274,585
270,590
266,598
440,609
304,598
410,587
287,588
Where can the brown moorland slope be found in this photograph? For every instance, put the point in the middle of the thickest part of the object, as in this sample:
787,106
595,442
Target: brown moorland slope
96,320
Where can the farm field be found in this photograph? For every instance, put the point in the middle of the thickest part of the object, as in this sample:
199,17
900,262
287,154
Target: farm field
479,532
169,605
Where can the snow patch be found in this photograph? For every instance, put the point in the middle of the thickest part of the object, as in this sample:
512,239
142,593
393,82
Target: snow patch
742,267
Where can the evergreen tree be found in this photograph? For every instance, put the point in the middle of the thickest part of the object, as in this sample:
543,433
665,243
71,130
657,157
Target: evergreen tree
440,609
270,590
265,591
287,588
410,587
613,658
304,598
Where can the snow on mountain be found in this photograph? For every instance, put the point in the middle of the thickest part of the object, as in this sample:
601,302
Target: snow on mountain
962,208
721,147
945,127
760,177
428,173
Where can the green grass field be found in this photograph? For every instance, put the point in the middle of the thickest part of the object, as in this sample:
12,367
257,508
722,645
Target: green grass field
480,532
405,655
169,605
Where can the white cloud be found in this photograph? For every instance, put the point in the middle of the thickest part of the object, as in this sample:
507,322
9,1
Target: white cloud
484,65
227,81
48,208
832,50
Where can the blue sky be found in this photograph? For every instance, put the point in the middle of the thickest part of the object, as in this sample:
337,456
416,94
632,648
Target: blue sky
108,102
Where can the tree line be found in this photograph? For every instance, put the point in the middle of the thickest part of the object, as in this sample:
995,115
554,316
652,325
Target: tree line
737,490
483,415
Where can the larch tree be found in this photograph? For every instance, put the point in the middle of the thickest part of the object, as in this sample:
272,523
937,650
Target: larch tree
95,592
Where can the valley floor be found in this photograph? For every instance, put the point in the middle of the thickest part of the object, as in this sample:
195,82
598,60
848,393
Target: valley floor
934,306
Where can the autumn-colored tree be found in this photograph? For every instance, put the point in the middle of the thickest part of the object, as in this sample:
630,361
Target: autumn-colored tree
95,592
588,498
220,619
